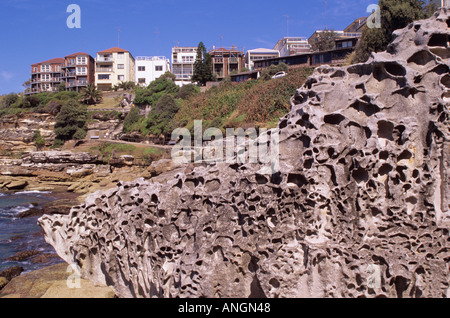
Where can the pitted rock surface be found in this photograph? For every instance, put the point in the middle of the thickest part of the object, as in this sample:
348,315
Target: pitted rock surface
360,207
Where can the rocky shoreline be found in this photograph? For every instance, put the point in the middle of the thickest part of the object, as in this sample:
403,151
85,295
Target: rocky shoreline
70,177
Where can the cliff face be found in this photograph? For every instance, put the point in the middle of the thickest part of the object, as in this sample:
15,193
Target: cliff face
360,206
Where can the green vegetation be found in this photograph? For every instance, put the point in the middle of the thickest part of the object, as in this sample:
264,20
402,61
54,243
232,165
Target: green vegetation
151,94
90,95
159,121
257,103
326,41
133,118
202,67
71,122
395,14
108,151
39,141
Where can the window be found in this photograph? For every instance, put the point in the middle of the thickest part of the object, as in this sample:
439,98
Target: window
141,80
103,76
121,77
120,66
45,87
141,68
81,70
45,68
45,77
158,68
81,60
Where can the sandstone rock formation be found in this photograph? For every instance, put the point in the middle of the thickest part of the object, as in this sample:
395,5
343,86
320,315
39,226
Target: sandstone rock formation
360,206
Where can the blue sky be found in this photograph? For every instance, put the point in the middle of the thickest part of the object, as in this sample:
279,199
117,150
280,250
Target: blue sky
34,31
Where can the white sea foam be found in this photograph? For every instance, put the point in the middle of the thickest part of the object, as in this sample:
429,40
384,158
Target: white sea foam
33,192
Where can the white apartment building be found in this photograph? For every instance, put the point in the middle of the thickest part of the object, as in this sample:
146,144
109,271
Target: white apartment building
257,55
150,68
114,66
183,59
288,46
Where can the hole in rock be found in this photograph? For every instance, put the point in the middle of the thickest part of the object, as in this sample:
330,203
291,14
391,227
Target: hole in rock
275,283
276,178
297,179
384,155
360,175
438,39
395,69
405,155
308,163
260,179
366,108
338,73
306,140
412,200
385,169
283,124
448,23
445,81
334,119
385,130
421,58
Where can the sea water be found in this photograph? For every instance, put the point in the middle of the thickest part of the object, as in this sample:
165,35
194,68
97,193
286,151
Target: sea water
17,234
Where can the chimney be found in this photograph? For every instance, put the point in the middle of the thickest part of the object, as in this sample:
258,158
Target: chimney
233,47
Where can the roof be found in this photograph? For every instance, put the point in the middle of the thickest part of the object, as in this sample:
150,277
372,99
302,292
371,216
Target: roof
58,60
76,54
114,50
261,50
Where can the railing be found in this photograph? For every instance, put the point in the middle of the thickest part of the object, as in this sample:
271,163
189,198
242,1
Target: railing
105,59
104,69
220,74
218,60
77,83
151,58
233,60
49,80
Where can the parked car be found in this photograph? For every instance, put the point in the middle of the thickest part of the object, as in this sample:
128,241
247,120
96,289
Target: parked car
279,74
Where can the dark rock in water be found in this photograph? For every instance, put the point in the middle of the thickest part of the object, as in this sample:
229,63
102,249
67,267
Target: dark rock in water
59,207
358,208
23,256
31,213
44,258
11,272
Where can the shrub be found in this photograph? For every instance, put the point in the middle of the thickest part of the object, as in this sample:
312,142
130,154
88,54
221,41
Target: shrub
71,121
132,118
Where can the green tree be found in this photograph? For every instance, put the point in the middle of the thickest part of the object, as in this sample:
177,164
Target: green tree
202,66
160,119
131,119
272,70
9,100
39,141
71,121
150,95
90,95
395,14
325,41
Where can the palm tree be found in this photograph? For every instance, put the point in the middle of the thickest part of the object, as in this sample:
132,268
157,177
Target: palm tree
90,95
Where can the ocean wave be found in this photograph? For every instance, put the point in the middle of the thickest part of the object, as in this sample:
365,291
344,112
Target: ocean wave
32,192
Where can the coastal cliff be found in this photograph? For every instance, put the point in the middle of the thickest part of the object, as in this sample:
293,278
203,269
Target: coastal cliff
359,207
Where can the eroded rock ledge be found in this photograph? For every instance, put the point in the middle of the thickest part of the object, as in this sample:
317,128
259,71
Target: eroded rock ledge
360,207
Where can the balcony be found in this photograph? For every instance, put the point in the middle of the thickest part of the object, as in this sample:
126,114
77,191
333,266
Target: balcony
218,60
104,69
233,60
77,84
70,74
50,80
104,59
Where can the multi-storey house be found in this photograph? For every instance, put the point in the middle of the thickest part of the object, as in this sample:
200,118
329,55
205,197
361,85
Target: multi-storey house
226,61
150,68
46,76
79,71
183,60
114,66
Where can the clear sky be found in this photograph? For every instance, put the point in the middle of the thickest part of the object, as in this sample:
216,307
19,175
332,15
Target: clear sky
35,30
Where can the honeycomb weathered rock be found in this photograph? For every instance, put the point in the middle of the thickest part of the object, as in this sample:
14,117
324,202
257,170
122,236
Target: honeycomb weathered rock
360,206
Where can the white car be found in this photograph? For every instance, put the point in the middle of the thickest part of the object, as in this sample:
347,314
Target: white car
279,74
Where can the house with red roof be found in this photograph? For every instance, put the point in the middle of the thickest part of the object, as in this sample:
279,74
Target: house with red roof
79,71
46,76
114,66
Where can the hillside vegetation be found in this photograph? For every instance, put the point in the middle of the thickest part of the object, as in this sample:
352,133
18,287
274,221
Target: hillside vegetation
253,103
